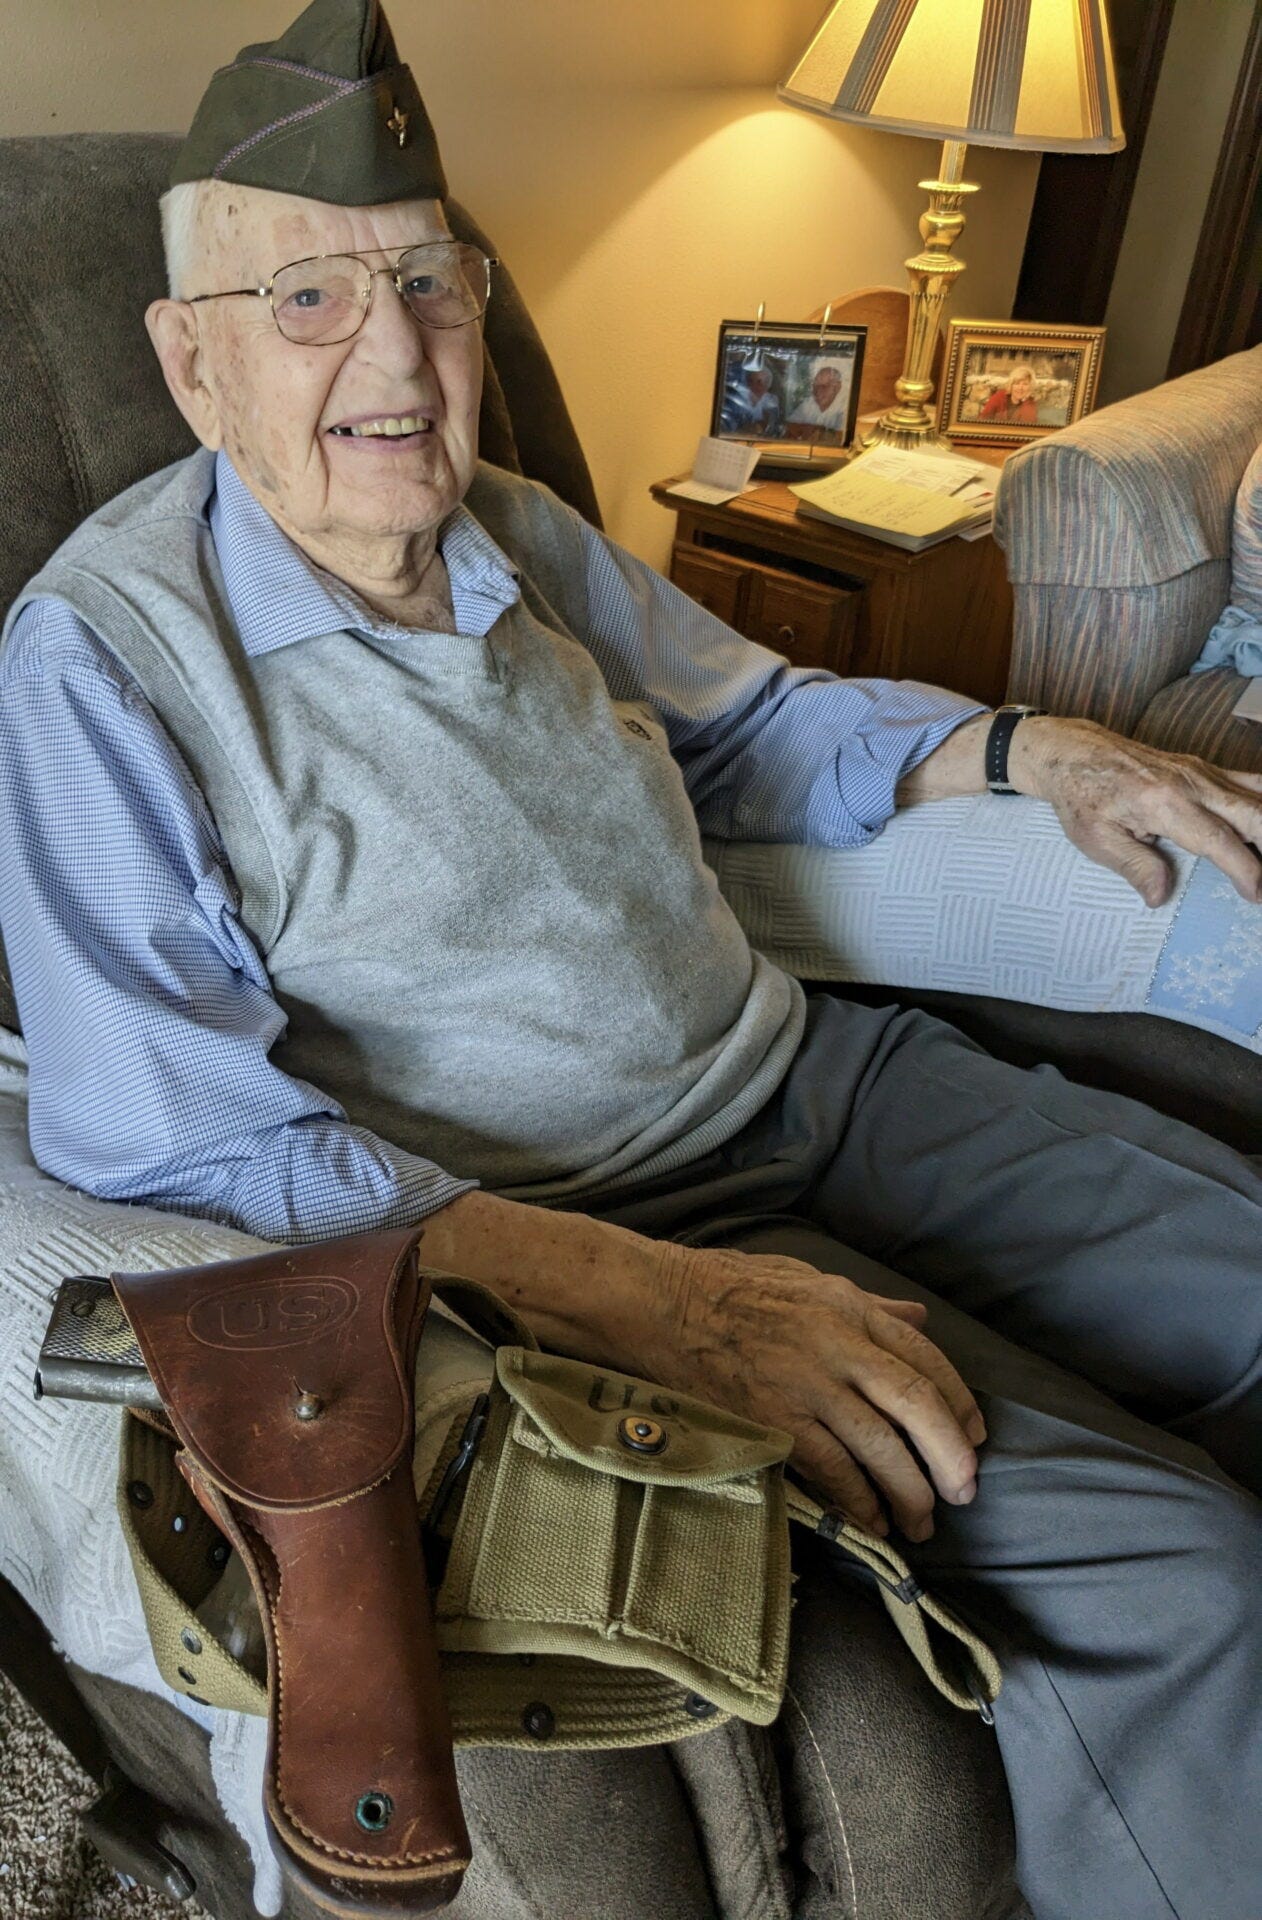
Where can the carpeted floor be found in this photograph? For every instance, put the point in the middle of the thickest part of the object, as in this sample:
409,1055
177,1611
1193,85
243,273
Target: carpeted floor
47,1869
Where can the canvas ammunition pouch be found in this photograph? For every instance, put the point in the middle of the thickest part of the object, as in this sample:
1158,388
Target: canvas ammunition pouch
603,1563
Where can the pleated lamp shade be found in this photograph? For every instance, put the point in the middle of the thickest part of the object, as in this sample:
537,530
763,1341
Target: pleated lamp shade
996,73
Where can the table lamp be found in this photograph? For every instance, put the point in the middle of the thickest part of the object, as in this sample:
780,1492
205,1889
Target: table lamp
1034,74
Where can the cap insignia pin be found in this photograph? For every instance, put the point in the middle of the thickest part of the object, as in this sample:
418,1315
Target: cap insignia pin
397,124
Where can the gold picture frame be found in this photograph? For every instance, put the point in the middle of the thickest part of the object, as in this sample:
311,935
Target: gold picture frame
1006,382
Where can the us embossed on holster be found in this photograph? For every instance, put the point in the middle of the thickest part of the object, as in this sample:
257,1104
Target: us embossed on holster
288,1379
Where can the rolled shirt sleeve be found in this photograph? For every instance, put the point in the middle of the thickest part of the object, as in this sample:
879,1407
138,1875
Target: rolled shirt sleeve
768,751
146,1007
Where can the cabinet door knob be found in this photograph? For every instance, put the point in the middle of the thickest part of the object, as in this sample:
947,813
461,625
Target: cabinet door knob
787,634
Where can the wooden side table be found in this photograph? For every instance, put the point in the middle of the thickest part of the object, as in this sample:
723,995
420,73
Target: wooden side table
828,598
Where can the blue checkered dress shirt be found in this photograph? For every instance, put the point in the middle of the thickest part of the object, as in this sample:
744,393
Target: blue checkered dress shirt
145,1002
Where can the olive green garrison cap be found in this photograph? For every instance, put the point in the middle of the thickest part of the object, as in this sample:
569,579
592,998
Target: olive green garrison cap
326,111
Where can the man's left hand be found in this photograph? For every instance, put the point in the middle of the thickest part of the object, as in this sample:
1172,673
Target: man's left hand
1115,797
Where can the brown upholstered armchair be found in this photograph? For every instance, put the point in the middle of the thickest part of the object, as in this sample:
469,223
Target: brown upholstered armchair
1118,538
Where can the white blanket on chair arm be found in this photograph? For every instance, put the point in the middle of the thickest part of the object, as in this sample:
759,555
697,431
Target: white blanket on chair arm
987,896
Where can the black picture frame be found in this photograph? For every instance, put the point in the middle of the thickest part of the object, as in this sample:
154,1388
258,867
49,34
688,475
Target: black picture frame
758,408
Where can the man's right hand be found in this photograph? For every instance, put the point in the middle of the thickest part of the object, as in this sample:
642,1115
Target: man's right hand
875,1410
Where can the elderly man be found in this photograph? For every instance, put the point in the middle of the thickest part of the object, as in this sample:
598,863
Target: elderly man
760,407
824,408
351,875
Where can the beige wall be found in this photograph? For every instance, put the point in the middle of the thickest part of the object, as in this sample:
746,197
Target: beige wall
1189,114
629,158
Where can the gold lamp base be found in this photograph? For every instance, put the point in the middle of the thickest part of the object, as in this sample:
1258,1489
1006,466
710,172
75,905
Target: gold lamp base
906,427
911,424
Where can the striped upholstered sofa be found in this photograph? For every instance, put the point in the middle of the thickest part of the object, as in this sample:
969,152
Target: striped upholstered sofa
1118,538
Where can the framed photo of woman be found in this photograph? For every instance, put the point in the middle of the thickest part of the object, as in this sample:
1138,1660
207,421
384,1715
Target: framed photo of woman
1006,382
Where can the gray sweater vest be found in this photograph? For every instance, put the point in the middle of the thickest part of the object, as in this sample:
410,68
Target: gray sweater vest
479,893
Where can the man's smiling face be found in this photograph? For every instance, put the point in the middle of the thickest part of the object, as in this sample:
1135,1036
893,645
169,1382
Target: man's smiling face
825,387
277,407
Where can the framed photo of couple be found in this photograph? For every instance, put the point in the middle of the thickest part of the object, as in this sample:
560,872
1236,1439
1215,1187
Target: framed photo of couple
788,387
1005,382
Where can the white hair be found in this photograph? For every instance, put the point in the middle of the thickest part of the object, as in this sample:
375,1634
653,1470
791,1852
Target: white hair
181,209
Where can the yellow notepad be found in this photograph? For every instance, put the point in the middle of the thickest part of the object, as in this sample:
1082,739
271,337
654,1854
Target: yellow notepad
891,510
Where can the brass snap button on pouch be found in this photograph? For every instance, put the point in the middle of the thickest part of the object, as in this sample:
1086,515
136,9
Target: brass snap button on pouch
641,1435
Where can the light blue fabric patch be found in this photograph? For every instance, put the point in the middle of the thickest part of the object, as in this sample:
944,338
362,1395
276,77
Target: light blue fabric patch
1211,964
1234,641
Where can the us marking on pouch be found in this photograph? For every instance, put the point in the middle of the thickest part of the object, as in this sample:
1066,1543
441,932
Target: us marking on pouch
256,1315
624,1394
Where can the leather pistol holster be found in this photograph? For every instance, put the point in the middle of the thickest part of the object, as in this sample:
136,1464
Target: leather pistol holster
288,1379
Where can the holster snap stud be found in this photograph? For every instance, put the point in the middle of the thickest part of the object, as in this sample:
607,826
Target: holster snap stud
373,1810
308,1406
698,1706
641,1435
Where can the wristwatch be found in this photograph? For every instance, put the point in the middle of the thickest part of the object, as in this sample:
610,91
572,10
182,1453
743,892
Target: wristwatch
1005,723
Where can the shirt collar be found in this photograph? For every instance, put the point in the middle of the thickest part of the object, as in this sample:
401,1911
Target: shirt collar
279,597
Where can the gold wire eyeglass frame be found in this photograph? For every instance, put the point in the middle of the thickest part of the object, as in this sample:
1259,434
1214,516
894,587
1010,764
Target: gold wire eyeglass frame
392,273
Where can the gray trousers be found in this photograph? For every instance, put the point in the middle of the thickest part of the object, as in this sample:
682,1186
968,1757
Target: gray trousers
1094,1271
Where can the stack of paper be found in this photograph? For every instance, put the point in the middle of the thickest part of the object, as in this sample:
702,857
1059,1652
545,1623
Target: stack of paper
913,500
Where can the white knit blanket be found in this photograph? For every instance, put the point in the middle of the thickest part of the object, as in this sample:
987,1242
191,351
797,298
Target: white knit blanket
60,1542
986,895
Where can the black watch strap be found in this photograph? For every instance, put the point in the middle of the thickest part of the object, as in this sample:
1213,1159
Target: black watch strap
1002,727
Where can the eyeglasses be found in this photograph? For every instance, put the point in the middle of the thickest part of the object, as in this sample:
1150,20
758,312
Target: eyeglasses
324,300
